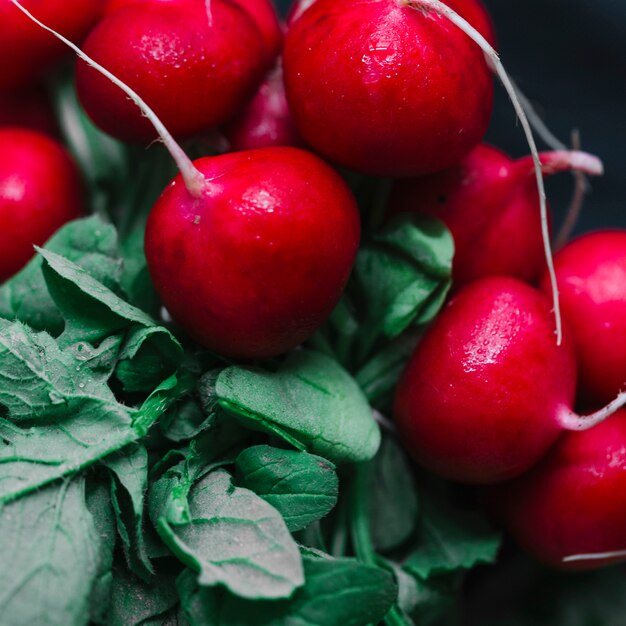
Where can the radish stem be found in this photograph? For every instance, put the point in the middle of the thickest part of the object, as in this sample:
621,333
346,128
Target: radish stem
572,421
496,65
195,182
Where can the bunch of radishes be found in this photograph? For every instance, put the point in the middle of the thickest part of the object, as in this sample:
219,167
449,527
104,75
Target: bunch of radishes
250,250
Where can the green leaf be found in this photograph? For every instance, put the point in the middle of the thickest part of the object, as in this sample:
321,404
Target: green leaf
379,376
311,402
99,505
136,603
32,457
130,467
149,356
136,279
401,277
91,310
185,420
51,554
393,498
339,592
300,486
233,538
40,381
91,244
450,540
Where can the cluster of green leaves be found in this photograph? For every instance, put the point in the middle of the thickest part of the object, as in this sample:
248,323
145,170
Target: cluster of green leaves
146,481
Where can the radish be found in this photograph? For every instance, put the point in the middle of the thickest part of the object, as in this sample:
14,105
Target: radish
27,51
488,391
591,273
249,251
266,121
40,190
262,13
194,72
253,266
569,511
29,108
489,202
473,11
378,87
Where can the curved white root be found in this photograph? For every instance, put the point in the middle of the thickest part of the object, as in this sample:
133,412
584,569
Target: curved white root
496,65
194,180
209,13
572,421
592,556
581,189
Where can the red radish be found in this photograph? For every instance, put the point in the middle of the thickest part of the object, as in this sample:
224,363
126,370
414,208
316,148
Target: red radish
250,250
266,19
194,75
378,87
27,51
591,273
29,108
488,390
253,266
261,11
490,204
473,11
569,511
266,121
40,190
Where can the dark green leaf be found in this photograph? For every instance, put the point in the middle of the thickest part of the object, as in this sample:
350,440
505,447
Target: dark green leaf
99,505
401,277
393,497
51,554
130,467
379,376
451,539
185,420
136,603
91,244
311,402
301,486
339,592
149,356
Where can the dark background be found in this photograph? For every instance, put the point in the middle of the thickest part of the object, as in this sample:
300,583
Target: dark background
569,58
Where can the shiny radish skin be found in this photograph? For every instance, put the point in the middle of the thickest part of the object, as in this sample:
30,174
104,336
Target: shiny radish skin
195,77
381,88
27,50
570,506
482,397
473,11
40,190
491,206
254,266
591,274
265,17
262,13
267,120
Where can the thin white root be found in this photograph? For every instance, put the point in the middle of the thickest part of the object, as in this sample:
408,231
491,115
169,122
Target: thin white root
194,180
572,421
496,65
581,188
384,422
592,556
209,13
